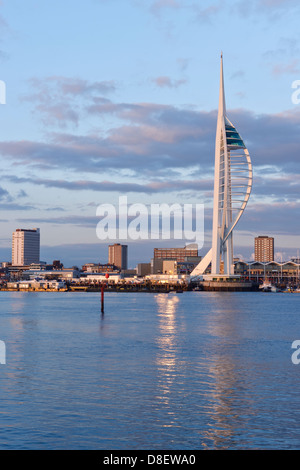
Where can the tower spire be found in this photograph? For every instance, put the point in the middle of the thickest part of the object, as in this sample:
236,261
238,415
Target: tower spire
222,105
232,188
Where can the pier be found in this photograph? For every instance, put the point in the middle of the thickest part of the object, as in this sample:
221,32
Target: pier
143,286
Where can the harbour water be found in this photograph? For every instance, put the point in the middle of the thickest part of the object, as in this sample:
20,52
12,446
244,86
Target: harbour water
196,370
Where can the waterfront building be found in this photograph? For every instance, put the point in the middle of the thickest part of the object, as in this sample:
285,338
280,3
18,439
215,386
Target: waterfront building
100,277
169,266
168,279
275,272
118,255
99,268
32,285
143,269
156,266
57,264
264,249
232,188
25,247
65,273
177,254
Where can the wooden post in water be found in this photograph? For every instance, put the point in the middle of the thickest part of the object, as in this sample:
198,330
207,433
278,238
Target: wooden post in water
103,285
102,296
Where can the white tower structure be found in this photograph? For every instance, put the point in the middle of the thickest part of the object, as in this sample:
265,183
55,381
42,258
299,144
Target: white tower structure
232,188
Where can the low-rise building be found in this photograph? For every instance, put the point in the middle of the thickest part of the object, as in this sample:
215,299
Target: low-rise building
143,269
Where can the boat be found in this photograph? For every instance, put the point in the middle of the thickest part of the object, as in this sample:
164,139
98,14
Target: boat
268,287
288,289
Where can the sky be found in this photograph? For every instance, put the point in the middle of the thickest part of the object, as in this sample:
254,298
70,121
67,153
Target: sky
110,98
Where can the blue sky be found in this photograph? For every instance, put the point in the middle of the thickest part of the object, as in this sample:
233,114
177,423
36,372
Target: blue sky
119,97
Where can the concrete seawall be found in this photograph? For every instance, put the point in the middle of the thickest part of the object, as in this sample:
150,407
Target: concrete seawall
228,286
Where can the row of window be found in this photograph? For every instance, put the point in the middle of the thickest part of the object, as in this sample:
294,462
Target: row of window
232,137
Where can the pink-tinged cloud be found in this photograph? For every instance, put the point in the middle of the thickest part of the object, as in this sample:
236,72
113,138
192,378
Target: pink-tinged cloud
60,113
167,82
72,86
159,5
277,3
60,85
292,68
62,100
158,139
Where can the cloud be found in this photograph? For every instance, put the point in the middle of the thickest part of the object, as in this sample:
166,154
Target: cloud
277,4
281,187
82,221
60,86
61,100
271,9
197,11
237,74
241,95
292,68
286,47
271,138
159,5
15,207
167,82
183,63
4,31
111,186
282,60
277,218
160,150
208,13
76,86
60,113
153,138
22,194
4,194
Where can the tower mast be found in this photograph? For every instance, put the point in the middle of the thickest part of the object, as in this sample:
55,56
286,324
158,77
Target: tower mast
232,188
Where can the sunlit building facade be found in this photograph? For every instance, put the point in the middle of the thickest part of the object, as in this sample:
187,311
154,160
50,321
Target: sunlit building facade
25,247
178,254
264,249
118,255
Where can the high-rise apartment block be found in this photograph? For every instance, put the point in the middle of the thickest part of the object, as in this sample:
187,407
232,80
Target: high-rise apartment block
264,249
25,247
117,255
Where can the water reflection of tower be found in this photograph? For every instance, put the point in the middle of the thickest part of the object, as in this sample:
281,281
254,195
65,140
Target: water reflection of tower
231,403
166,341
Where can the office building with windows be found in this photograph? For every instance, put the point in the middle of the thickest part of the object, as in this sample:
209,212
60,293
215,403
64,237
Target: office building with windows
118,255
25,247
264,249
178,254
